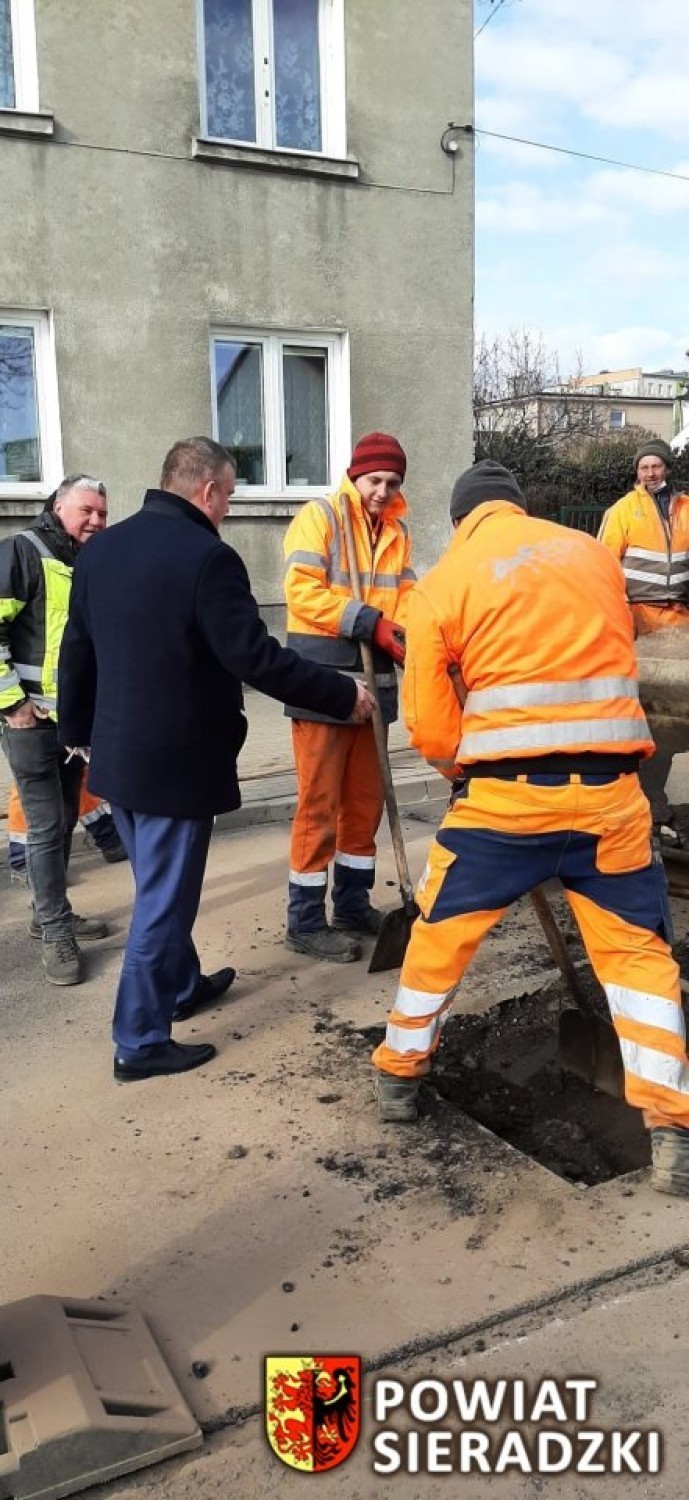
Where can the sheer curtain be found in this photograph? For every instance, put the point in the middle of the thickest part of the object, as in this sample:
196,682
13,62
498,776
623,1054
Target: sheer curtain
7,97
230,90
297,74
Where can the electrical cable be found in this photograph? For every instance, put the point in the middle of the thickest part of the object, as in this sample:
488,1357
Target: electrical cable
610,161
489,17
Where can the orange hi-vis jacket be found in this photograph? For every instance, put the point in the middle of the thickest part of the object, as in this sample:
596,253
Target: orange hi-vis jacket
324,622
654,554
535,617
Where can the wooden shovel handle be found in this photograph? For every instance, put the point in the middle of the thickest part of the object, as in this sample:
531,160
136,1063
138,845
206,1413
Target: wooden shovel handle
378,726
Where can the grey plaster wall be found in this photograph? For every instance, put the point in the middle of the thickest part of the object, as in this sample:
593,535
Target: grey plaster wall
139,249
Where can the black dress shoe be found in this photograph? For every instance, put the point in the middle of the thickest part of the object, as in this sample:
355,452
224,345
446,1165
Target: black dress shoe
209,989
168,1057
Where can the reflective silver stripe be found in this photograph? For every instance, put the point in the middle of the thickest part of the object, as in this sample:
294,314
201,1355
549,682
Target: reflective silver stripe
9,680
311,559
538,694
320,878
643,554
404,1039
645,577
648,1010
655,1067
356,861
37,542
44,702
16,838
443,765
349,617
367,579
678,577
553,736
417,1003
408,575
92,817
29,673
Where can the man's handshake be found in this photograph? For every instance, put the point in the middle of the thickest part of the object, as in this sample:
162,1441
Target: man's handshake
364,707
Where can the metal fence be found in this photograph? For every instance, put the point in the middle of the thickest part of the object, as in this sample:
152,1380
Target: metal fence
582,517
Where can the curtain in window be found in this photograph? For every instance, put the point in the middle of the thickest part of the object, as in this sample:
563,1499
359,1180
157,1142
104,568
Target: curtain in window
306,424
230,90
7,99
20,457
297,74
239,384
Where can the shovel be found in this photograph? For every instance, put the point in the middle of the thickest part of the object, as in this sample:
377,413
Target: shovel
395,929
587,1044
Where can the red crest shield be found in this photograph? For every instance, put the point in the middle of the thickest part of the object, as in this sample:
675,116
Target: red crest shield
313,1408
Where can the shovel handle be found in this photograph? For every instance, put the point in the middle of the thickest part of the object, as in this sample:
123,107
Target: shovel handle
378,725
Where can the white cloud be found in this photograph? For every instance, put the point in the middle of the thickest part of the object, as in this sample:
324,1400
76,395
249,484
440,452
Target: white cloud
593,256
617,62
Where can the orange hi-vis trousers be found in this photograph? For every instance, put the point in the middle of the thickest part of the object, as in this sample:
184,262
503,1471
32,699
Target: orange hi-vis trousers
94,815
499,840
339,808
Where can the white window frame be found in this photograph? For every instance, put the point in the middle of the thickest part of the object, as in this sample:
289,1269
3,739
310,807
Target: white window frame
24,56
616,411
47,402
272,342
331,47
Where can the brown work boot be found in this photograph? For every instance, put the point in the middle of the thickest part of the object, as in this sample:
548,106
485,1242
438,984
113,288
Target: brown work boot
62,960
336,947
397,1099
670,1153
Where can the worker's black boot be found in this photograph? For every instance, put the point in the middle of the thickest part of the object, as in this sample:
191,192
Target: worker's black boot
670,1152
397,1098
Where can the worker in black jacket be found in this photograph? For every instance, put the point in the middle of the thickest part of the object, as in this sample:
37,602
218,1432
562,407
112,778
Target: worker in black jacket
163,630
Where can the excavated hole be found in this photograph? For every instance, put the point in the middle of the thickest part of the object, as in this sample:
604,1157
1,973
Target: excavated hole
503,1070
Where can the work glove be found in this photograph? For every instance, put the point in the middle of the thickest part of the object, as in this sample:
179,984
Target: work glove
391,638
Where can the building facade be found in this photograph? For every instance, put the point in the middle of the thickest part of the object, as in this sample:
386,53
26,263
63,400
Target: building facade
234,217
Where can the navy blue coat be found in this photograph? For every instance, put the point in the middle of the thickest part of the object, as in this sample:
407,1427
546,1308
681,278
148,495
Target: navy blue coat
163,630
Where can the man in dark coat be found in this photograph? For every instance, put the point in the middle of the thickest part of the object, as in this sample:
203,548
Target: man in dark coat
162,631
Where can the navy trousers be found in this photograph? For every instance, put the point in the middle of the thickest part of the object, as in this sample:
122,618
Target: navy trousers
161,967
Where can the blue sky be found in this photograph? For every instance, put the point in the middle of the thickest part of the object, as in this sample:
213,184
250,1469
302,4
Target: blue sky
594,257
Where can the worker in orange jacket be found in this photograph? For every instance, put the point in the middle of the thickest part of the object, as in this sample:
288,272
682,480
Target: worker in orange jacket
648,530
339,787
95,818
528,623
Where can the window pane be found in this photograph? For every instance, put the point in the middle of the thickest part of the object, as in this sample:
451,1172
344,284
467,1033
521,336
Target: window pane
297,74
20,454
230,93
239,384
7,100
306,421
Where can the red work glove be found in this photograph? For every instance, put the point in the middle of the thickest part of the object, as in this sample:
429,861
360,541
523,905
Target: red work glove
390,638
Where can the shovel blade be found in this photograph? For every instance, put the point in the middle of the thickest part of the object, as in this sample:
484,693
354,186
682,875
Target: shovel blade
393,937
588,1047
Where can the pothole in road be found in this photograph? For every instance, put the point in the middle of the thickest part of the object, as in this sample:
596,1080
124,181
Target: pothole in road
503,1070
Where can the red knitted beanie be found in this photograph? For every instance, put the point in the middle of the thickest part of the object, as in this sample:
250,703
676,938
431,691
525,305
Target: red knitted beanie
377,452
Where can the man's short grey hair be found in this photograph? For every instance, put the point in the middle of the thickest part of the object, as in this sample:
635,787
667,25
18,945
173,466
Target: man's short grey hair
193,461
80,482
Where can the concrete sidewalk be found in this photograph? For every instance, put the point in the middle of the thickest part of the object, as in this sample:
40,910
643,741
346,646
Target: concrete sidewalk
266,770
268,781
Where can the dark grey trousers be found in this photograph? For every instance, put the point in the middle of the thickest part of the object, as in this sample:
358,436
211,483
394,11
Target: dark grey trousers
49,791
